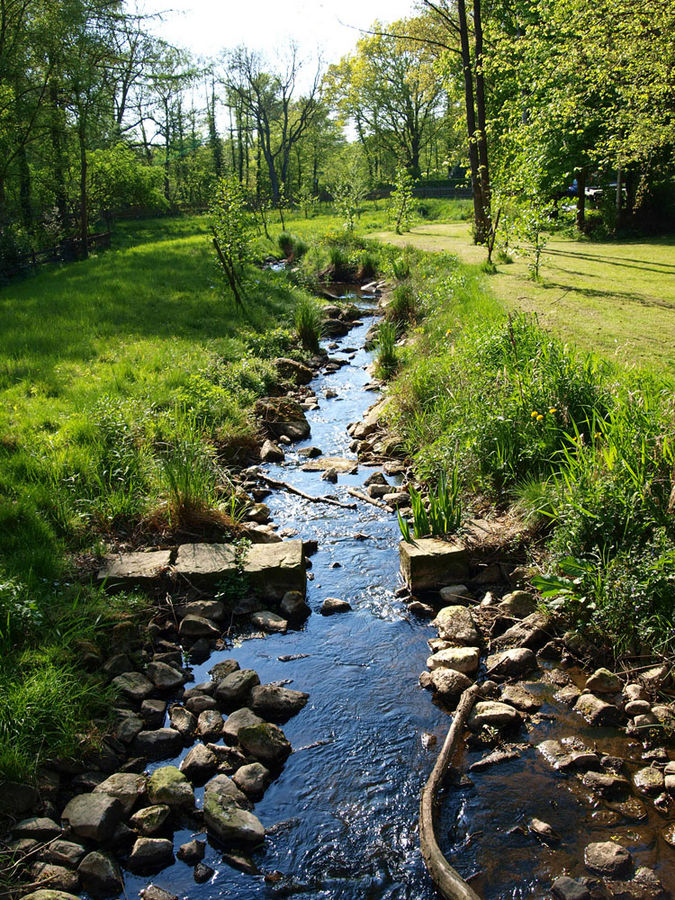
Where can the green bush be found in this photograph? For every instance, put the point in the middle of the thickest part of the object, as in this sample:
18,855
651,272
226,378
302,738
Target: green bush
402,308
387,359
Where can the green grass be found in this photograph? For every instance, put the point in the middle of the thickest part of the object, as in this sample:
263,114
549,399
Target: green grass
616,298
125,384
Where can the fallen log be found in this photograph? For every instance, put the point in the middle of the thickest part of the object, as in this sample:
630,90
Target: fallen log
353,492
285,486
449,882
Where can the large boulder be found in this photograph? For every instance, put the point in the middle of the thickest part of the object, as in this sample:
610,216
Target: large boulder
199,764
142,569
271,701
282,417
449,683
510,663
149,820
168,785
532,632
100,875
150,854
597,711
238,720
608,858
293,371
234,690
134,685
493,714
126,786
463,659
228,822
93,816
266,742
160,743
456,625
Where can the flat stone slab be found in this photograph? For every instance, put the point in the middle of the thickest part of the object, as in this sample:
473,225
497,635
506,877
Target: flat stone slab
339,463
429,564
271,569
136,568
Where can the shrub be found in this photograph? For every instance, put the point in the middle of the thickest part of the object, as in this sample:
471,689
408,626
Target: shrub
308,323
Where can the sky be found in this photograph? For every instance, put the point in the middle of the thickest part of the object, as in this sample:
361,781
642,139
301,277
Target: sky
206,27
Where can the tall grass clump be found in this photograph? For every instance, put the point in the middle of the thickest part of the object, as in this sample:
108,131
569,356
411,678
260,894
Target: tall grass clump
292,246
402,308
308,323
439,515
387,358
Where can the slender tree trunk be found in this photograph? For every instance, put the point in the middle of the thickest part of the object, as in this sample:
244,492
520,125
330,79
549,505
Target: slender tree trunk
84,211
481,136
25,201
619,196
581,199
480,234
57,150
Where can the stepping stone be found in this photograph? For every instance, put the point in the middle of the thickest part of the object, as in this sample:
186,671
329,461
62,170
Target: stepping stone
430,563
271,569
135,568
339,463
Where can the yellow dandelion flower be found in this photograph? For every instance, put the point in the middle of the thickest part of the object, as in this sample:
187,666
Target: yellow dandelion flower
540,418
553,410
448,332
533,415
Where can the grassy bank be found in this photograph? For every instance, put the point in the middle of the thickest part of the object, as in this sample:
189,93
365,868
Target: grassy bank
579,447
126,383
616,298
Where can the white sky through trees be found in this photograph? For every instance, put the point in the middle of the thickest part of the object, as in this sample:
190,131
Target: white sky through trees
205,27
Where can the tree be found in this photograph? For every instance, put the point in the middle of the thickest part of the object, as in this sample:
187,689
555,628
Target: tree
267,97
231,229
389,90
402,200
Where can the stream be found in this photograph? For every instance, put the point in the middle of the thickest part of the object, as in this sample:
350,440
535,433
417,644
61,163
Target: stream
342,815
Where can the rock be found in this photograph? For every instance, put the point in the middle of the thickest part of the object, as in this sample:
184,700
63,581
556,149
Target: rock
58,877
602,681
153,712
162,743
192,852
397,500
566,888
199,764
183,721
142,569
532,632
234,690
210,724
126,786
518,696
330,475
669,784
294,607
282,417
635,691
431,563
148,821
423,610
607,858
134,685
238,720
637,708
270,569
37,828
208,609
197,627
332,605
518,604
463,659
271,701
128,728
49,894
632,809
293,371
649,781
65,853
252,779
341,465
510,663
310,452
227,822
152,892
568,695
100,875
656,678
456,625
269,622
455,594
150,854
271,452
93,816
635,890
612,787
168,785
163,676
576,643
543,831
203,873
224,668
494,758
265,742
493,714
597,711
669,835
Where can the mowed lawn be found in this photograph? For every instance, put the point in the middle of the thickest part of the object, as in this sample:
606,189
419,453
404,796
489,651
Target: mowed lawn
614,297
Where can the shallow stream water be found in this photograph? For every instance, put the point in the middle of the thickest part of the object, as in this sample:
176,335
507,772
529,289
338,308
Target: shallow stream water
342,815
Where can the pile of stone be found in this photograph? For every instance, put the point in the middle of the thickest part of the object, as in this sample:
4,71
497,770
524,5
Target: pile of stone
126,818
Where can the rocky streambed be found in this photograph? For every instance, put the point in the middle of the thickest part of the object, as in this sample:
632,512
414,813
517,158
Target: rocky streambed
280,748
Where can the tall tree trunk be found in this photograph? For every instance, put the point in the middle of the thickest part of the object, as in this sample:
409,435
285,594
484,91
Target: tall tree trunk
619,196
24,187
481,136
84,211
581,199
59,167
